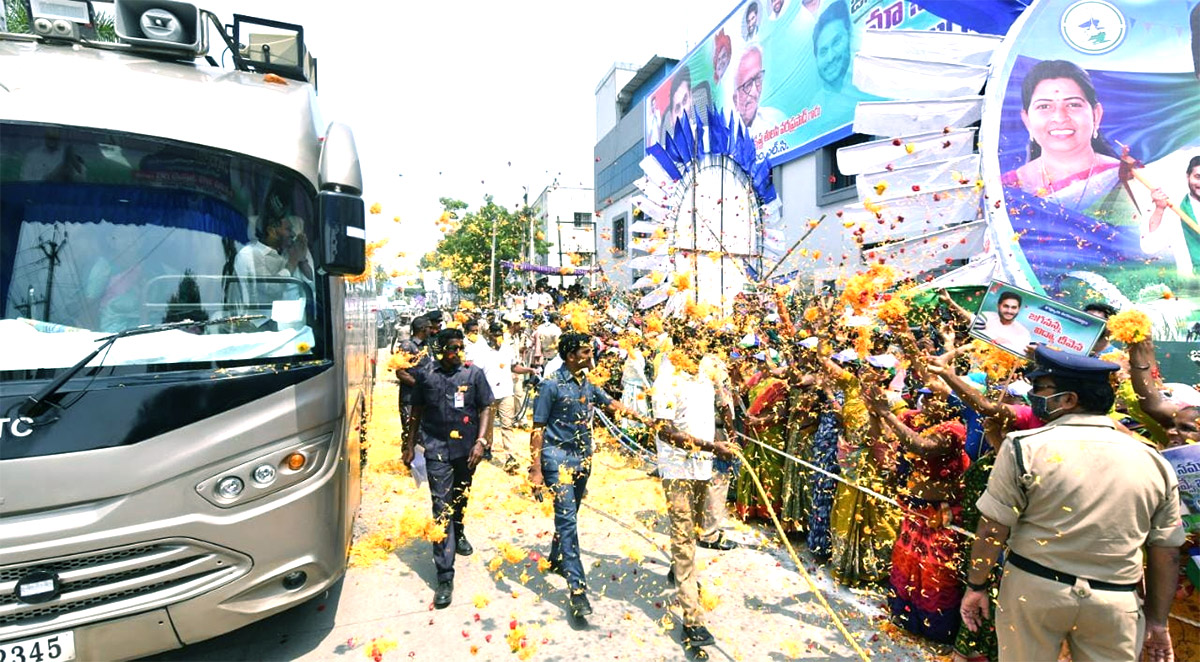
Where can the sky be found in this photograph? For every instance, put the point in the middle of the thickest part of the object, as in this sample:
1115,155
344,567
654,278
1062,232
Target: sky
463,99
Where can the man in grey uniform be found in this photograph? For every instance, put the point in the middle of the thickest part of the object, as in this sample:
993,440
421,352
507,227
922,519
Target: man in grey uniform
1076,502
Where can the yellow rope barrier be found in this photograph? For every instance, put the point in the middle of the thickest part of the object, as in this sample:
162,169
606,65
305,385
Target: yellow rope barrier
862,654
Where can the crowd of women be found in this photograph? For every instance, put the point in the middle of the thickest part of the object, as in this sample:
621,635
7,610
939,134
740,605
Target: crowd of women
874,433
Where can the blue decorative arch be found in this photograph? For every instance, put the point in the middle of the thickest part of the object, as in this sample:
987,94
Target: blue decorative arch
726,136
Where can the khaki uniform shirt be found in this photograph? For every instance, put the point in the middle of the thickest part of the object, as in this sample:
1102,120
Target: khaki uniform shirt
1091,499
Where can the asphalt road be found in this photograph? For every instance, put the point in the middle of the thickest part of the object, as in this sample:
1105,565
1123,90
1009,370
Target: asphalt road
761,609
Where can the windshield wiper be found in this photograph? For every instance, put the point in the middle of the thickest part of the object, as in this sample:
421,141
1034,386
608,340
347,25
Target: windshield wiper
39,402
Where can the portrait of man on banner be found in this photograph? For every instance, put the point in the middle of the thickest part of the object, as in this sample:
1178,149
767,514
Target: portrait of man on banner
783,69
1001,325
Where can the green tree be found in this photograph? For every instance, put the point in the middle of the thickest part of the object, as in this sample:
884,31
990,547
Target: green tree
465,250
15,16
382,280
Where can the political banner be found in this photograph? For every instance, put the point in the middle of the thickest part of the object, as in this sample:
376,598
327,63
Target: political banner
1091,143
1186,462
1011,318
783,68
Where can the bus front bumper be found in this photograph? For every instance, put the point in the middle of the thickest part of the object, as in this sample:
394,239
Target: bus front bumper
198,578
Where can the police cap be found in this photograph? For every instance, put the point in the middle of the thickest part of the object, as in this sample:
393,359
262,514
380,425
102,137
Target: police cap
1057,363
434,316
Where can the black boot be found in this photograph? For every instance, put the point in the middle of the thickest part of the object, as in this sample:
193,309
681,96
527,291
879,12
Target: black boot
443,594
462,547
697,635
721,543
580,606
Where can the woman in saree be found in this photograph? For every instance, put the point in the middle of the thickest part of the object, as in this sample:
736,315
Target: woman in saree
1069,161
822,451
804,404
925,589
999,418
634,386
863,528
766,419
1076,208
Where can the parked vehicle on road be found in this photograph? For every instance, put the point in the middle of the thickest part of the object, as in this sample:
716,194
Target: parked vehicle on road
187,373
386,327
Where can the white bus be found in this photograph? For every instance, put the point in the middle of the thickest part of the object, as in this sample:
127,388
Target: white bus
185,373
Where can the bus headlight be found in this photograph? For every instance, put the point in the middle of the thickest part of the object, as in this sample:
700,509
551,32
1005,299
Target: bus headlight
230,487
256,476
264,474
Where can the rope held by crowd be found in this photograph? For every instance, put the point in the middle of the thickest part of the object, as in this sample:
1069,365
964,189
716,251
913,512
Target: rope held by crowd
867,490
625,440
632,446
812,585
886,499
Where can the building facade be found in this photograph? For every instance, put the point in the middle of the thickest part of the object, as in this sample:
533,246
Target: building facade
799,111
564,216
620,127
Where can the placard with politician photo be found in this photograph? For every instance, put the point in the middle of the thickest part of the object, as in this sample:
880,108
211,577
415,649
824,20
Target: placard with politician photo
1011,319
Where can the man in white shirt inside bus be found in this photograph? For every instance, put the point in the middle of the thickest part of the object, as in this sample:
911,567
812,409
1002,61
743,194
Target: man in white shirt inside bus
264,266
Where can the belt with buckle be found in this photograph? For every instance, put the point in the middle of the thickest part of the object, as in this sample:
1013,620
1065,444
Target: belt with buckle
1035,568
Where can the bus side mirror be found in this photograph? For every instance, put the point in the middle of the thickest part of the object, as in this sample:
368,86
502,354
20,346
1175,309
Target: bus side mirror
343,233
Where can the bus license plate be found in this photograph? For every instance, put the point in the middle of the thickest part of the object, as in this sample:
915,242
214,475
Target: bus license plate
57,647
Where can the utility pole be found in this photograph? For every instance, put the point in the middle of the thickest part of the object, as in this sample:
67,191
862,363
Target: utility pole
532,243
51,249
558,226
27,306
492,277
525,199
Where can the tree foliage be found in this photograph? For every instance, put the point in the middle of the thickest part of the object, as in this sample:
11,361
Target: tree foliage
382,280
464,252
16,17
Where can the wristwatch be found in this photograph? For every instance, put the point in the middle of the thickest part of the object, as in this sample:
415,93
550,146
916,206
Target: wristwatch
978,587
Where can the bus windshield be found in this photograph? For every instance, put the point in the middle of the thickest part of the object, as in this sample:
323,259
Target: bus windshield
102,231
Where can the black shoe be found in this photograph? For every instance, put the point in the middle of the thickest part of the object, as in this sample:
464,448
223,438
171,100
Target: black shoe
721,543
443,593
697,635
580,606
463,547
556,568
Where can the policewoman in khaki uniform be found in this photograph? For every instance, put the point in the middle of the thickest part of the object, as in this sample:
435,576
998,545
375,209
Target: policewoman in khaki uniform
1076,502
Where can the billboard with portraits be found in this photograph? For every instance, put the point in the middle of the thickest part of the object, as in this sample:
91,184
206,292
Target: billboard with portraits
783,68
1091,137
